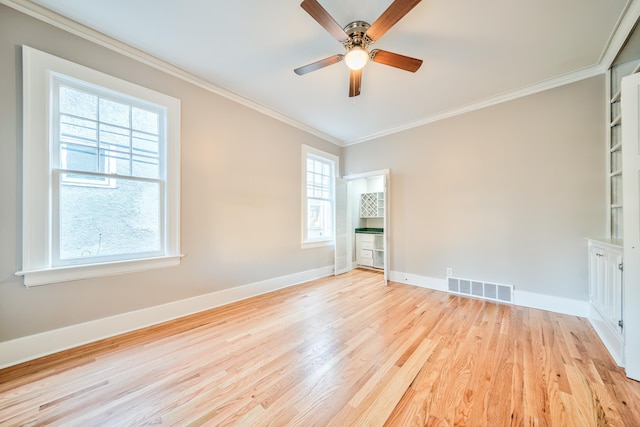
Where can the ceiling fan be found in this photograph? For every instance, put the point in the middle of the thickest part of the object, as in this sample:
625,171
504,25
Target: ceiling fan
356,38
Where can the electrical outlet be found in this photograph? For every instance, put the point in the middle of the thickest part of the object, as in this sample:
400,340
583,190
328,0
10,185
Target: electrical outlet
449,271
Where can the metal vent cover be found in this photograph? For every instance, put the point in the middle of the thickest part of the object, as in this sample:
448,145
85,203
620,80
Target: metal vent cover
479,289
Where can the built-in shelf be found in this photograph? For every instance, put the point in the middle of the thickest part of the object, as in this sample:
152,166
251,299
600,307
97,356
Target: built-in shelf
616,73
372,205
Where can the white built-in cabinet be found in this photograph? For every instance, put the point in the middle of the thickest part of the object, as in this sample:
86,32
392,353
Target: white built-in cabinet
611,289
605,256
370,250
370,244
606,293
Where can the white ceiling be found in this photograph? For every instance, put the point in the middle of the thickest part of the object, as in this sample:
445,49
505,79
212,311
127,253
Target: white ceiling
473,51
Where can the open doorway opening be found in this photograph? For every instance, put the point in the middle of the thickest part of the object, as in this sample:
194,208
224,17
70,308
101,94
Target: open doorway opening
363,223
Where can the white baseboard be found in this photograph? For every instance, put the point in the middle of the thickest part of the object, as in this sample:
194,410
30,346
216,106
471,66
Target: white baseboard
420,281
33,346
613,341
522,298
572,307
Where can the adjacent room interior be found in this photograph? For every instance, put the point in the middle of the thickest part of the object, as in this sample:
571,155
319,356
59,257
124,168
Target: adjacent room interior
318,242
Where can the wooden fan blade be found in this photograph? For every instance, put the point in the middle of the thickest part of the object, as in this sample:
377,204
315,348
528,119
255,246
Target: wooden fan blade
323,18
355,78
396,60
318,64
389,17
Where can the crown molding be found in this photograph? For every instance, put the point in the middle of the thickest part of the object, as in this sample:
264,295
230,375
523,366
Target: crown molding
573,77
621,32
50,17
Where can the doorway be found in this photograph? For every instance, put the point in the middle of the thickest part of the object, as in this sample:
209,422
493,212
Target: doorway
362,218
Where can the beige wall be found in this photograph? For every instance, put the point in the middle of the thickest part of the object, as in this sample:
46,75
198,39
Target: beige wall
505,194
240,194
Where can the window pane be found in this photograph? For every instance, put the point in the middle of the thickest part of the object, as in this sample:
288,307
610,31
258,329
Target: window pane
145,167
79,157
114,113
114,138
113,221
145,121
77,130
78,103
318,218
145,144
114,162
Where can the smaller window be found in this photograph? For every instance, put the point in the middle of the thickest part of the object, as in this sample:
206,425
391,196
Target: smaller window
320,170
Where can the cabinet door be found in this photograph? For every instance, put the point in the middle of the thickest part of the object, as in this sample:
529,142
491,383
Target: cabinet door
596,277
605,285
613,289
593,273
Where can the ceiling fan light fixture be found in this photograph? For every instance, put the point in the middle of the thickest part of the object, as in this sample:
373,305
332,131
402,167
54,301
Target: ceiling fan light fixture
356,58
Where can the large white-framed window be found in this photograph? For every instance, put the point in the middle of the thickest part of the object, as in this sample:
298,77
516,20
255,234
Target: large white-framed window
101,171
319,172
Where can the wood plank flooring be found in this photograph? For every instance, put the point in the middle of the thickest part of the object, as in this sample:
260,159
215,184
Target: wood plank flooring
344,351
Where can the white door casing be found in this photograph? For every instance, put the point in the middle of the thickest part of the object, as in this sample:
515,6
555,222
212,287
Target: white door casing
341,250
387,233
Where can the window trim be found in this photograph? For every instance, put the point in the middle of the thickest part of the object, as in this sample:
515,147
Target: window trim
307,243
38,70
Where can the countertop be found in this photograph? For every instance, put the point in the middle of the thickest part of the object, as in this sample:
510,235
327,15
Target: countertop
370,230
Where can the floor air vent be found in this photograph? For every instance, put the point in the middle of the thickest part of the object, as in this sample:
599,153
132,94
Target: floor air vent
484,290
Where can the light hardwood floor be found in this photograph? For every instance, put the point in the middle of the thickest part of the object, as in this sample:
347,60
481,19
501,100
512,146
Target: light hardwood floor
345,351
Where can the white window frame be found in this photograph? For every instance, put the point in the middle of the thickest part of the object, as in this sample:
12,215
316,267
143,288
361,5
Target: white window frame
37,268
335,160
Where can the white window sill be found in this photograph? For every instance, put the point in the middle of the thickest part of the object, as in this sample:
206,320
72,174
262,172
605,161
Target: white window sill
76,272
317,244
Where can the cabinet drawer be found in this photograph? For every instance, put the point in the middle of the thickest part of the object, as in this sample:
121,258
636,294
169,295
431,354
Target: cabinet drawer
366,245
364,237
366,261
366,253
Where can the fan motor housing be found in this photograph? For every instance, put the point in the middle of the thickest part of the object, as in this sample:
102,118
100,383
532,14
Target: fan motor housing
356,31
